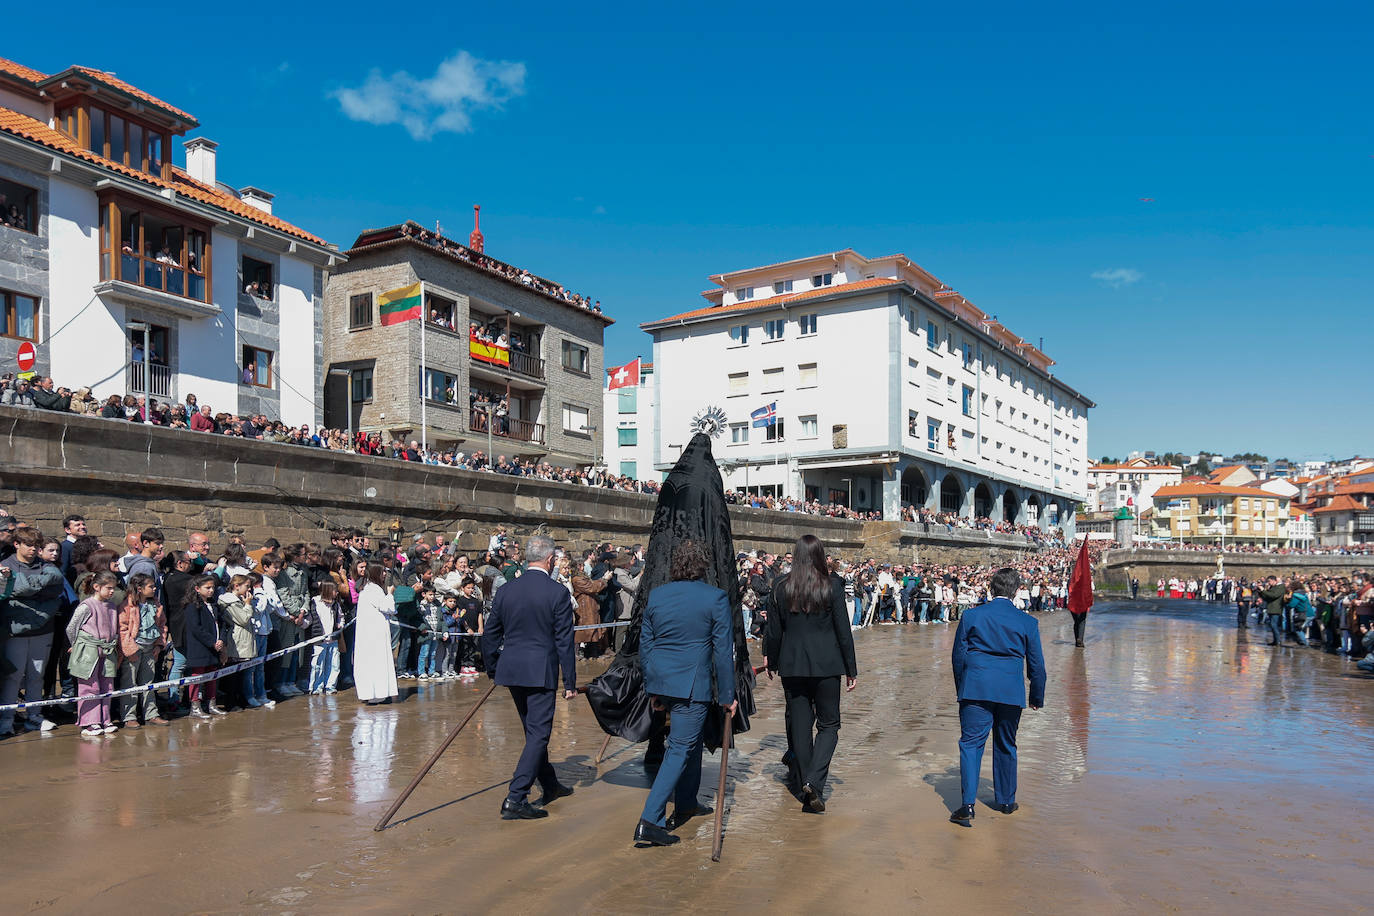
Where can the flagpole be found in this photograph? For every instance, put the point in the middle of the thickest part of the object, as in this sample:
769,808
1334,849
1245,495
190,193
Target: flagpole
424,377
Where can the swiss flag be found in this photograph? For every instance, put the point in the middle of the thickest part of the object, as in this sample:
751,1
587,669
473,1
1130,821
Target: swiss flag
624,376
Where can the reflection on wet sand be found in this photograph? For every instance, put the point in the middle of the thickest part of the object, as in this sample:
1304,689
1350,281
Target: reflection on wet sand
1178,766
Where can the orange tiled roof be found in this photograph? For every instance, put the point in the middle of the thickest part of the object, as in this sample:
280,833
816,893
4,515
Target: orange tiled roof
1226,471
752,305
1341,503
114,82
1211,489
27,74
1355,486
1127,466
12,122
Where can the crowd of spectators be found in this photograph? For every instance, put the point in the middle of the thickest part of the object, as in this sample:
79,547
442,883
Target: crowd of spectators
500,268
1310,550
41,392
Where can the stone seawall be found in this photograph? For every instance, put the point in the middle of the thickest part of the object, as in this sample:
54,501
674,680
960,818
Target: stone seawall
123,476
126,476
1118,566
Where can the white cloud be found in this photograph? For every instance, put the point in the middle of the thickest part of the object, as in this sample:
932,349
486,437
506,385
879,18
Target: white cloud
1118,277
442,102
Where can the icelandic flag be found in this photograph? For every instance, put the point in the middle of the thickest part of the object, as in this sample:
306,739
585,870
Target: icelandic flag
765,416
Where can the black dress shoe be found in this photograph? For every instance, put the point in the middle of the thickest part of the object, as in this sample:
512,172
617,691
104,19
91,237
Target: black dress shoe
1007,809
520,811
647,834
560,791
812,803
681,816
963,816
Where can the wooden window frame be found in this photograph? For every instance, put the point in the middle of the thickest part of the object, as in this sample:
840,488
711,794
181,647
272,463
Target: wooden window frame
113,206
585,371
271,368
353,301
9,321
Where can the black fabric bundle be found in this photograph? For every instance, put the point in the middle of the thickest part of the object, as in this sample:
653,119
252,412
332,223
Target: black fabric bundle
691,505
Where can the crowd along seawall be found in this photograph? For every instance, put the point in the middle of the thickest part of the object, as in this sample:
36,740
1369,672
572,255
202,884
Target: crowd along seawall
1149,566
125,476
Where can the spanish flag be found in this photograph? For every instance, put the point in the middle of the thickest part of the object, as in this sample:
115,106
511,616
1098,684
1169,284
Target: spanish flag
400,305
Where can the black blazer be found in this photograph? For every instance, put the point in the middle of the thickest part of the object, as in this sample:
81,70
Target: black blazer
810,645
529,634
202,631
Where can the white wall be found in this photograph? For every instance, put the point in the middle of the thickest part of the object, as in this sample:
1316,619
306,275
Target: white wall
35,109
207,348
86,350
295,361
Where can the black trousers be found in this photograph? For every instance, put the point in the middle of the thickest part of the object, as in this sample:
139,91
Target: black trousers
813,702
536,706
1080,624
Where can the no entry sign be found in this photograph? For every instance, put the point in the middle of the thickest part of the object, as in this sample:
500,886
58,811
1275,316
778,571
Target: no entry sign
27,355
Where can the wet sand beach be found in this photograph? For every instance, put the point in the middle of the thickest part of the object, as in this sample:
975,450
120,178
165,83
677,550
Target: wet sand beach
1178,767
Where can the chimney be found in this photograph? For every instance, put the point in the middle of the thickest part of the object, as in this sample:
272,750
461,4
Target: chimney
257,197
475,240
200,160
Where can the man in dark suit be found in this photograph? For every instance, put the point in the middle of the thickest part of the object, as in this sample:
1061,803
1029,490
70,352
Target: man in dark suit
528,637
994,645
686,643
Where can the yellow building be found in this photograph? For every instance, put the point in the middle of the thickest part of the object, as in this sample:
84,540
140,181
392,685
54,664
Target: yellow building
1216,515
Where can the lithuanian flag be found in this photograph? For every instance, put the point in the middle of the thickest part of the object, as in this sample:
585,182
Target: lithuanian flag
400,305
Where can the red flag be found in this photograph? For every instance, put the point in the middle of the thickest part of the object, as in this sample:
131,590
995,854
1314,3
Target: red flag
624,376
1081,585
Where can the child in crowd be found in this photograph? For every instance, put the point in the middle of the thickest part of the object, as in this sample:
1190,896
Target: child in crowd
431,626
453,638
325,618
142,634
204,645
266,605
94,634
472,606
236,611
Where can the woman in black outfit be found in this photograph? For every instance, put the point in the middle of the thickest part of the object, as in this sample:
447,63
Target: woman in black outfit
809,644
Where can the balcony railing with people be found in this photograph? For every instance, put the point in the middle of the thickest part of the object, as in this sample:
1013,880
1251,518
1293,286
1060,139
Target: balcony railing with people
506,427
158,382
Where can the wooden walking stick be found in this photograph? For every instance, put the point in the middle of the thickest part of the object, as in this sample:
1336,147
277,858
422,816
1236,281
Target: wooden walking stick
602,753
434,758
720,788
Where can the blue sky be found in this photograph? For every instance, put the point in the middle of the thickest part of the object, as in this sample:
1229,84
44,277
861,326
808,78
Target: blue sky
628,153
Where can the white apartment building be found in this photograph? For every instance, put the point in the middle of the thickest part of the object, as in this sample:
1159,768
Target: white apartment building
628,445
129,274
891,390
1128,483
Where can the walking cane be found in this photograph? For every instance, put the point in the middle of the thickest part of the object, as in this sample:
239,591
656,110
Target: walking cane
434,758
602,753
720,788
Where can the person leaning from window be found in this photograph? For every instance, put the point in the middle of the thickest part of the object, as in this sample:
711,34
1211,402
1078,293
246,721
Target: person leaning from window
808,642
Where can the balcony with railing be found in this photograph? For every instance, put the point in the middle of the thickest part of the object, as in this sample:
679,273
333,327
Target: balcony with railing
152,379
506,427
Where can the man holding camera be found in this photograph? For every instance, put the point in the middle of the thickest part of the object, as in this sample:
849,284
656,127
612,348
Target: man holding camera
1274,597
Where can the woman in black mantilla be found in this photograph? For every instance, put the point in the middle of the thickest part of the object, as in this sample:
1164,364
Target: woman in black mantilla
691,505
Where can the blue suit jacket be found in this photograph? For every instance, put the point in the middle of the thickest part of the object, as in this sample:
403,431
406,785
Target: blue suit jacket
995,649
529,633
686,634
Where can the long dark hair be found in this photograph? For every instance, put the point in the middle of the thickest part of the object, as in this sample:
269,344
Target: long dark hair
807,590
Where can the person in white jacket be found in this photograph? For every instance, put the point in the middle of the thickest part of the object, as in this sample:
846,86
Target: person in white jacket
374,670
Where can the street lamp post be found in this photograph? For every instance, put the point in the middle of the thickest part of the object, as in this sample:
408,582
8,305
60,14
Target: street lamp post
348,399
596,446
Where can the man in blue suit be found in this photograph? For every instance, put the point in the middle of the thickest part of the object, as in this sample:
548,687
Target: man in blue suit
995,649
528,637
686,647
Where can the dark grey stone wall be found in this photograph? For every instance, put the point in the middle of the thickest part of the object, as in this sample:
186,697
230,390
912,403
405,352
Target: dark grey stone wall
24,259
